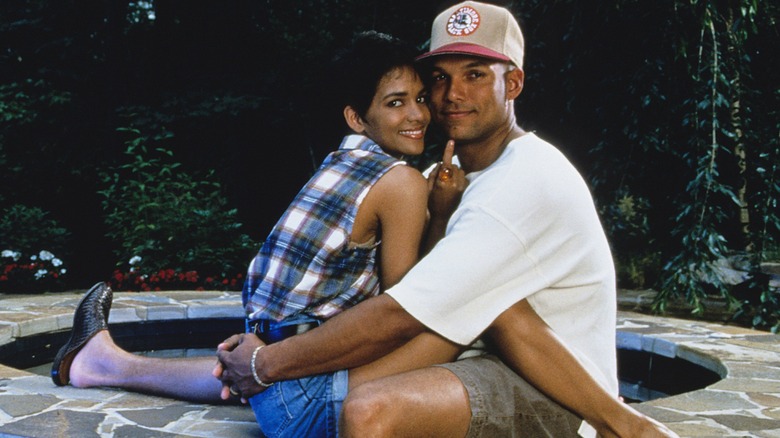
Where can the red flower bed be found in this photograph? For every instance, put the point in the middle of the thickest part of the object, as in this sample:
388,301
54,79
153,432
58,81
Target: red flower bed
169,279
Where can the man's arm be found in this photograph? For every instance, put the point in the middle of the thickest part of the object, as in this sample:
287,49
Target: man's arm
532,350
352,338
355,337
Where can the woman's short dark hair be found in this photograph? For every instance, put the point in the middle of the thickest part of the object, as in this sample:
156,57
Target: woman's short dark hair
357,70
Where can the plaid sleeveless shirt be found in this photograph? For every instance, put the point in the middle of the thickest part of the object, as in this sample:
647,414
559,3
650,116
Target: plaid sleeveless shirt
306,266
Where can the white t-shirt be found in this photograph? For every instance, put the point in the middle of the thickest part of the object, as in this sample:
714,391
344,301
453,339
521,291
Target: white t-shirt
526,227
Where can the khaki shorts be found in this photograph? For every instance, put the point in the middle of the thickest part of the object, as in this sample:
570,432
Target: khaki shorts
505,405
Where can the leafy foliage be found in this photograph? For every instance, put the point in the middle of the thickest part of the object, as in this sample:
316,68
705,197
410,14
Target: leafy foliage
21,104
638,261
157,211
670,108
672,105
29,240
30,229
726,150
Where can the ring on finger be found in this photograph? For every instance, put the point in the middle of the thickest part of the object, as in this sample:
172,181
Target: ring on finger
445,174
233,392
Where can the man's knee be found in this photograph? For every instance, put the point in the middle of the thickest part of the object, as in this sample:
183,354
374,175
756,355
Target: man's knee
366,412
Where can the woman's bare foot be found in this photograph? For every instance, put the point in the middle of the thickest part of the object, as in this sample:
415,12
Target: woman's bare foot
97,364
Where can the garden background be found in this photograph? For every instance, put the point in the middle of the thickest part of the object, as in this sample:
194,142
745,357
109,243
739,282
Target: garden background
154,143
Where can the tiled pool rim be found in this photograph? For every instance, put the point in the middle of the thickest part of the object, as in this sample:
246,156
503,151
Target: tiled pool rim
746,402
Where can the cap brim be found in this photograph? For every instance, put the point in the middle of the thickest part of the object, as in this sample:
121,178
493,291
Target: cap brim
465,49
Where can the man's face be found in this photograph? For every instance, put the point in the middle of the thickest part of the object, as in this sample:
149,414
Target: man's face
468,96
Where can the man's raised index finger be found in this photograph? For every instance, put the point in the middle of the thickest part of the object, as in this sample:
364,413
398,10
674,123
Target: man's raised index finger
449,151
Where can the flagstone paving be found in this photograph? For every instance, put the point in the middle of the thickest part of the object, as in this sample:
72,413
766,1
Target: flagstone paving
744,403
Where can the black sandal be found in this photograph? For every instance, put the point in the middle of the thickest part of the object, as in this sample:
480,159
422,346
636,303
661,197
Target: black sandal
91,317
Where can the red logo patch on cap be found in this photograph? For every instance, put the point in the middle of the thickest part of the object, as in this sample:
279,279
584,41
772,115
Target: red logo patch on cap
463,22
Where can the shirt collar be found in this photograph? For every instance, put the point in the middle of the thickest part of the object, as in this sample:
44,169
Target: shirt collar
357,141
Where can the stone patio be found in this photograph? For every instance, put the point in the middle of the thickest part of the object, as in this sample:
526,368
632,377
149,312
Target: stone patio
746,402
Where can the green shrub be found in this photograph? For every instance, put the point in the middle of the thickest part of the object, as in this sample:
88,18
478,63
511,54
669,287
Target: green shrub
734,152
162,217
33,247
637,262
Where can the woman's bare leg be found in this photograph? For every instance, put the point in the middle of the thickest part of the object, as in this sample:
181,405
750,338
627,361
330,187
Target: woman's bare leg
102,363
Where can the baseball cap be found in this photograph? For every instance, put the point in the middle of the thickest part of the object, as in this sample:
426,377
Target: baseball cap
477,29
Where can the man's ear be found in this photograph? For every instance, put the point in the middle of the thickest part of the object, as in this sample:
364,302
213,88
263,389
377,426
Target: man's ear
353,119
514,83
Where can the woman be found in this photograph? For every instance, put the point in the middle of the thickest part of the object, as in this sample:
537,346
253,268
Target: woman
353,231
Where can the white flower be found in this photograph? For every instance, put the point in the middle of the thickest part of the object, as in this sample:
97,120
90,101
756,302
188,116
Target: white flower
63,271
33,257
56,262
135,260
40,274
7,253
45,255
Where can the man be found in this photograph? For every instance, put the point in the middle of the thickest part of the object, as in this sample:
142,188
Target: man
524,261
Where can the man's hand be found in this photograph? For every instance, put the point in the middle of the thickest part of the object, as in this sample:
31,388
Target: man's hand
446,184
635,424
233,367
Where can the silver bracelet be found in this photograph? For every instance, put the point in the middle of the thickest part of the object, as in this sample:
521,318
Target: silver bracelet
254,370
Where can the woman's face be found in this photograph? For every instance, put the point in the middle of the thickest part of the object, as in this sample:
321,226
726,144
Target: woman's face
398,115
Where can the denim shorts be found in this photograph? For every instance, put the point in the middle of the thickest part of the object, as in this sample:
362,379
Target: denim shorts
307,407
505,405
